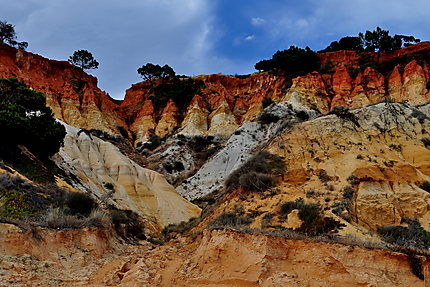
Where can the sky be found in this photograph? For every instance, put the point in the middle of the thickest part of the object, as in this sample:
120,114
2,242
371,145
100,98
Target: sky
198,36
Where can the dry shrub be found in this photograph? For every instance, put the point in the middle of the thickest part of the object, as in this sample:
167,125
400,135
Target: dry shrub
314,222
255,181
59,218
411,236
256,173
127,224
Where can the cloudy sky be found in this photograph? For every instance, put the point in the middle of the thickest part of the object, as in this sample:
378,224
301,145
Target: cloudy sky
198,36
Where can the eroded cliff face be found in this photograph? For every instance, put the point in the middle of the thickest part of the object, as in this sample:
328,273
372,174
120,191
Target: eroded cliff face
379,150
72,94
112,177
235,259
379,153
225,102
219,258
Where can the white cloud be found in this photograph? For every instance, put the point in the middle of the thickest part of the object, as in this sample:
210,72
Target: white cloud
250,37
257,21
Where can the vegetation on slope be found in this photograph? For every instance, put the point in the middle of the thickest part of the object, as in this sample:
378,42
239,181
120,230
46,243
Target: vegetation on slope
26,120
296,61
169,86
378,40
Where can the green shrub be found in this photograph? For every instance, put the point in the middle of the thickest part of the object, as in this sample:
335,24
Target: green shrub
254,181
302,115
13,205
60,218
36,196
181,91
365,60
200,143
419,115
294,61
314,222
173,166
181,227
353,180
26,120
78,203
345,205
345,43
242,76
262,165
348,192
267,219
324,177
109,186
411,236
345,114
152,144
127,224
29,166
416,265
378,39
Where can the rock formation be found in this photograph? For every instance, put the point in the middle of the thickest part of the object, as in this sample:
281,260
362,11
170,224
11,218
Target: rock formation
145,125
196,119
72,94
110,175
221,258
354,141
74,97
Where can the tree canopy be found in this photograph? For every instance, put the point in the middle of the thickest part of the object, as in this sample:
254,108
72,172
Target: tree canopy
378,40
181,91
150,71
8,36
346,43
294,61
25,119
84,60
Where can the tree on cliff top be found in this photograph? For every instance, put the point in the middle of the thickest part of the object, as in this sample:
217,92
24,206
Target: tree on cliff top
150,71
378,40
8,36
294,61
84,60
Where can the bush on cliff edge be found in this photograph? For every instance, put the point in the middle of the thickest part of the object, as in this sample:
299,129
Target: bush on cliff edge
26,120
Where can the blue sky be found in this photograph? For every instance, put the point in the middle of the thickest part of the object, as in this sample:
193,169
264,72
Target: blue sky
198,36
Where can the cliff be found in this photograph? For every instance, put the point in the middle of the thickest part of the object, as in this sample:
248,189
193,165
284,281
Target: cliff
72,94
225,102
363,165
220,258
